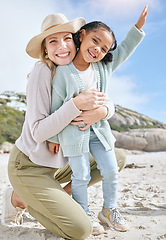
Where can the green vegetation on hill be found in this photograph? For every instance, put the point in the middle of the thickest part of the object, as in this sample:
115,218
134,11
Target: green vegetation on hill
11,122
125,128
125,119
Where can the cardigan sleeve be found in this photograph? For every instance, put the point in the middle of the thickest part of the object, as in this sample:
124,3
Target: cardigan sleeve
58,97
127,46
42,124
62,91
111,108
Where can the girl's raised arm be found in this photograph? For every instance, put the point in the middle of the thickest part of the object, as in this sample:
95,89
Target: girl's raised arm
130,42
142,18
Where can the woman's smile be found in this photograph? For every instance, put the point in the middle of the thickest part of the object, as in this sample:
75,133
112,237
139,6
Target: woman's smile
63,55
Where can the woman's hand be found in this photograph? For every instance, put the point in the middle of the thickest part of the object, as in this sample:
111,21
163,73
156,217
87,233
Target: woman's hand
142,18
53,147
90,117
89,99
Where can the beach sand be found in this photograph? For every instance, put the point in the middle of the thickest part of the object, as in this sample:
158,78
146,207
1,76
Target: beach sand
141,199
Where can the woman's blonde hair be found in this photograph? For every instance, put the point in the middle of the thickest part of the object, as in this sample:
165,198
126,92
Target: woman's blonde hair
51,65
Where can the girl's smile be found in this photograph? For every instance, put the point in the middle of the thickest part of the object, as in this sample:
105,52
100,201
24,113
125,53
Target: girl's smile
91,54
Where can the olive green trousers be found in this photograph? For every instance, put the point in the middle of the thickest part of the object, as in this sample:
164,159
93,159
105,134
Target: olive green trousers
40,187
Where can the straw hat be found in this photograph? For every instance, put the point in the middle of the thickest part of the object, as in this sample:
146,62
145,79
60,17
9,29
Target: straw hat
53,23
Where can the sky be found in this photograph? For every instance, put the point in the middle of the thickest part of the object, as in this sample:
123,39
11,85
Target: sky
138,84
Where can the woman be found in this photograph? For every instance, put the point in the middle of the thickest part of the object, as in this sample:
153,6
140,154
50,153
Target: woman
34,172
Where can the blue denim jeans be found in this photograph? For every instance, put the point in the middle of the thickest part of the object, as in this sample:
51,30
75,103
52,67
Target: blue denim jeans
106,163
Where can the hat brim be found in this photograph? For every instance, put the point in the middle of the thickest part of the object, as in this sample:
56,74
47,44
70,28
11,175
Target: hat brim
34,45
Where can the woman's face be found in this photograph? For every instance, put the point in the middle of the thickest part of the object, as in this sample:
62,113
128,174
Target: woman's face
60,48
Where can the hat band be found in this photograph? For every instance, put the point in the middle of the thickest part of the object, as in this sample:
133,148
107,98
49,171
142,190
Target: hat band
51,27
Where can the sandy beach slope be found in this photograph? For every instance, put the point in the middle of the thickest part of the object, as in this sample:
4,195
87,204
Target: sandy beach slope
142,201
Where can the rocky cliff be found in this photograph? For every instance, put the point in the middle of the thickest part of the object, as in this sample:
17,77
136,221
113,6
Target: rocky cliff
132,130
125,119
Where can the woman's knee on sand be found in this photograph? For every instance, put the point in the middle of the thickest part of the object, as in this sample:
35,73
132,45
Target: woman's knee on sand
73,228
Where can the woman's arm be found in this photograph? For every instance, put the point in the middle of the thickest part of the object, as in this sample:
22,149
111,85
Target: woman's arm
90,117
110,108
89,99
42,125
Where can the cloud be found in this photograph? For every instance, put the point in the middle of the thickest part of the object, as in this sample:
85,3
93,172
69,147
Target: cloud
20,21
119,8
123,90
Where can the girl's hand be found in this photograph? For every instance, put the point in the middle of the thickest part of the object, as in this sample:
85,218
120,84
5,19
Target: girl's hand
89,99
90,117
53,147
142,18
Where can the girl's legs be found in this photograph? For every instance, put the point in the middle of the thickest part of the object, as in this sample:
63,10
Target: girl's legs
80,178
107,164
45,198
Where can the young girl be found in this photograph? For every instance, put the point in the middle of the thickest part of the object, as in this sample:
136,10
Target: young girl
35,174
97,57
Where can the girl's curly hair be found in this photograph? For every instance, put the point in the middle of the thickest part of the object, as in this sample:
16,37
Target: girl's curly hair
93,26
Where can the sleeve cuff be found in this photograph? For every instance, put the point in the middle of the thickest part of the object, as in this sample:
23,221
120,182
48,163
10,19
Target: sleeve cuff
77,111
110,107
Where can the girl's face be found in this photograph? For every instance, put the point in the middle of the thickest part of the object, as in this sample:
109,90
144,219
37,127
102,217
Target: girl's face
95,44
60,48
